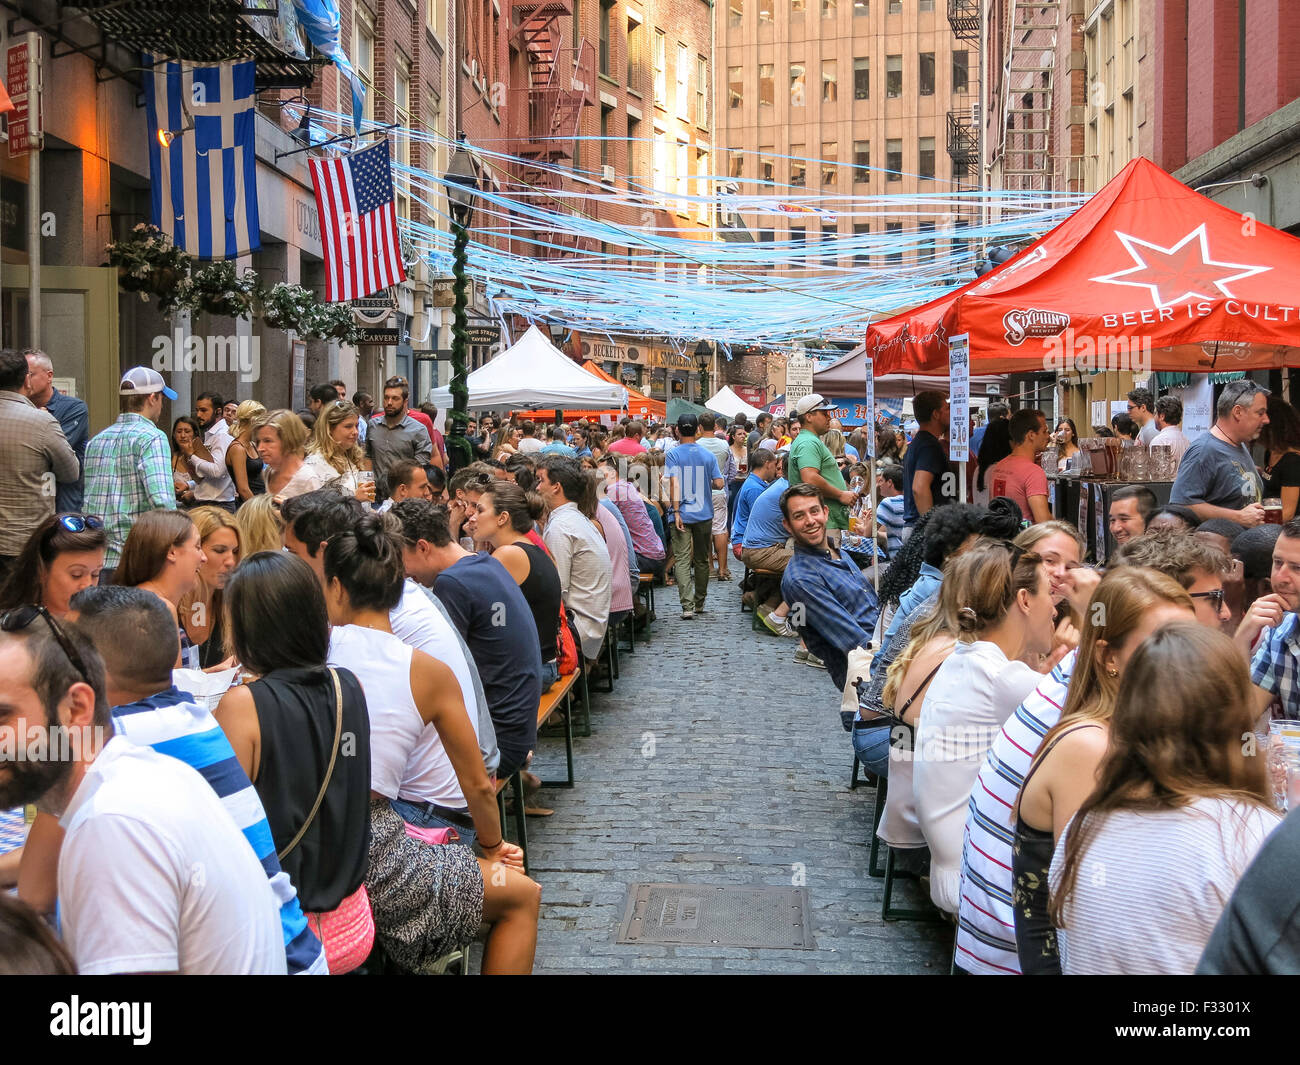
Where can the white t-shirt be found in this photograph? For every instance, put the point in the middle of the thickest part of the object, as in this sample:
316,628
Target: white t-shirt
429,775
1153,885
528,444
974,692
154,876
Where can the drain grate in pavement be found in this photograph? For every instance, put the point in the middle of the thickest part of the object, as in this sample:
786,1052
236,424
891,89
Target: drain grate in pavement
715,915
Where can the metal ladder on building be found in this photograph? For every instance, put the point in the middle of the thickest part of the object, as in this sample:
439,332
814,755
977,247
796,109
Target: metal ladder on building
1028,83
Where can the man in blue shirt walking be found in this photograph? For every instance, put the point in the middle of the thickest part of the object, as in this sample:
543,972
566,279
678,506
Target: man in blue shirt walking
73,418
693,475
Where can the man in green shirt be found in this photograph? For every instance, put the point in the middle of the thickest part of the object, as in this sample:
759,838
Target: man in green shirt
811,461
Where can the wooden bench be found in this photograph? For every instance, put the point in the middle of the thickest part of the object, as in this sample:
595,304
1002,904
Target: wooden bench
562,691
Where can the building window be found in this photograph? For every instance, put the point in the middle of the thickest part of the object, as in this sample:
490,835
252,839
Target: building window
796,85
634,147
862,79
926,247
961,72
661,69
830,81
431,15
766,168
828,8
893,231
765,11
861,257
402,143
701,92
363,53
895,7
766,236
635,42
830,163
606,21
861,162
702,191
796,7
605,113
683,177
766,83
799,238
659,174
736,13
830,233
683,74
860,8
798,166
925,158
736,166
925,5
925,74
893,76
735,87
894,160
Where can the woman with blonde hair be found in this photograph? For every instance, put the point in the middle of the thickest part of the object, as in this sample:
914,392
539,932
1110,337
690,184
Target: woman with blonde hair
201,612
1061,548
334,453
260,527
242,461
1180,808
1007,617
281,441
932,640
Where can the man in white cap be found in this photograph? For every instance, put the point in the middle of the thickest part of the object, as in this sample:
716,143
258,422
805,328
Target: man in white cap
128,465
811,462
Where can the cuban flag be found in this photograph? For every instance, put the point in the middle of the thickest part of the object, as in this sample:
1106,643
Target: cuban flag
202,155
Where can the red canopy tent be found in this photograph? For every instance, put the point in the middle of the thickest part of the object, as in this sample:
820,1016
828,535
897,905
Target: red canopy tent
1147,275
638,405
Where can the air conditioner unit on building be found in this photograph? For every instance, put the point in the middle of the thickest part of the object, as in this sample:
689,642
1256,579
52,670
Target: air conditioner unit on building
975,114
607,176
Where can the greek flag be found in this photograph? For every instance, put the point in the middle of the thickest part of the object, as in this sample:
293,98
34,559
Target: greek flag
322,23
202,155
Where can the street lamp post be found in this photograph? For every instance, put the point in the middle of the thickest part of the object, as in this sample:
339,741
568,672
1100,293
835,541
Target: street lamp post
704,353
462,184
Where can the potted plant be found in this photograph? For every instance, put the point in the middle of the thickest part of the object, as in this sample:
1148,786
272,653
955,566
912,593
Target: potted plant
218,289
148,262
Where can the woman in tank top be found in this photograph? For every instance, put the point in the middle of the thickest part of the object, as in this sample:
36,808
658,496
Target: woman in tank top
505,518
1180,809
427,900
283,725
242,460
1129,605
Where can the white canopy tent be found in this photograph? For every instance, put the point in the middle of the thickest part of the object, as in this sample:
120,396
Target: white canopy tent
727,403
533,374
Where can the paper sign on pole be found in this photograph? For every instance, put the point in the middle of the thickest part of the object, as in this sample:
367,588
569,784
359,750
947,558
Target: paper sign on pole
1198,403
959,397
798,379
870,423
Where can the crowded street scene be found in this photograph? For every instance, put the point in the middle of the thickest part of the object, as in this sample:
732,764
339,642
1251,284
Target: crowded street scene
508,488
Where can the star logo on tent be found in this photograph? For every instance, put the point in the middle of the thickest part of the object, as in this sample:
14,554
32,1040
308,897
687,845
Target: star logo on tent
1180,272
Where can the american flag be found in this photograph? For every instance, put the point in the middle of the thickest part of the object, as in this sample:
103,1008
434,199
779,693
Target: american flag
358,222
204,182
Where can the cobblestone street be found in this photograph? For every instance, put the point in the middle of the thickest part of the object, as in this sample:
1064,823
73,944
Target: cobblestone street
717,760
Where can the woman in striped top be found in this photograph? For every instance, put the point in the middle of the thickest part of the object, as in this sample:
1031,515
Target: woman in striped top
1180,809
1130,604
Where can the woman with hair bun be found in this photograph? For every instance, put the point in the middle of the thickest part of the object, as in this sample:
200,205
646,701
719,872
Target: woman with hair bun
1007,618
427,900
505,519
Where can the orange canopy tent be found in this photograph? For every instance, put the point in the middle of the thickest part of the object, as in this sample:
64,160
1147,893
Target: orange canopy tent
1147,274
638,405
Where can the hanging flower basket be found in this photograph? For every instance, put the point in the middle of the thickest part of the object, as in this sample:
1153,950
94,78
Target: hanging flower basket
217,289
148,262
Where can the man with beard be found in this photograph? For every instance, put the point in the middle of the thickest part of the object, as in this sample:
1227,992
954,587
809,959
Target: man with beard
213,484
153,874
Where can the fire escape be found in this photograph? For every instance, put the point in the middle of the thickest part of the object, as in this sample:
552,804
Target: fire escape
1027,87
963,126
561,82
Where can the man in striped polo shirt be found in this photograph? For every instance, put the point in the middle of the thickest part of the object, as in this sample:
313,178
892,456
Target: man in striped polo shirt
137,638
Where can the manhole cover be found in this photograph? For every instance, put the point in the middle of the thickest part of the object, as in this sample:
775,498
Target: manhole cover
722,916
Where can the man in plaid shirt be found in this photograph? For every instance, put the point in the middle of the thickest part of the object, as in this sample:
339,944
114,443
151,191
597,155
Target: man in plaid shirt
1275,667
128,465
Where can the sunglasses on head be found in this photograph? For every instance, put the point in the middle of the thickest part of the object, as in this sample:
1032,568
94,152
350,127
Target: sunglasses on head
21,617
76,523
